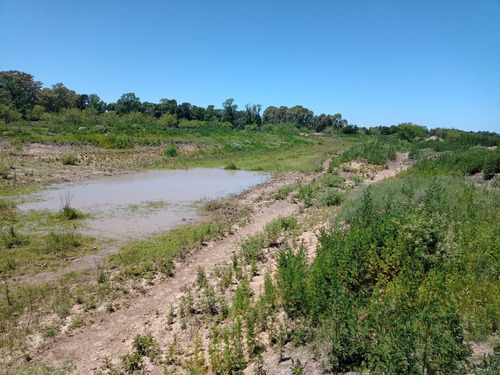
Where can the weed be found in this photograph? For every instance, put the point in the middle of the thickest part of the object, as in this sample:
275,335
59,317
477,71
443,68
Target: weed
77,323
132,362
201,278
171,150
242,298
231,166
61,242
146,346
69,159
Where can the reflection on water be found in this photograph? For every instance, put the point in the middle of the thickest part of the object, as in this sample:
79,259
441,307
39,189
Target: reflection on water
144,202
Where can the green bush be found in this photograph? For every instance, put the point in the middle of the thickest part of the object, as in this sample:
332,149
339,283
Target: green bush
69,159
408,271
171,150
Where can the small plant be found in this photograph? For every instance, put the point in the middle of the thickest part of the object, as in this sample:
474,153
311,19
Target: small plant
258,367
49,333
171,151
90,304
61,242
69,159
201,278
241,298
332,198
102,277
132,362
77,323
231,166
209,300
297,368
68,212
171,315
146,345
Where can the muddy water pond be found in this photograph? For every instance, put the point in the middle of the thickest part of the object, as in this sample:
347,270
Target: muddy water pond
145,202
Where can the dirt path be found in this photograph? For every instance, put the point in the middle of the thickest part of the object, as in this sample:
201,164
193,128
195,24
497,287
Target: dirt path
400,163
112,334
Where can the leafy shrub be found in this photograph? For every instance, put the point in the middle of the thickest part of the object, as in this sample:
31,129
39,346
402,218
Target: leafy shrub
69,159
375,151
464,163
231,166
146,345
388,288
332,198
171,150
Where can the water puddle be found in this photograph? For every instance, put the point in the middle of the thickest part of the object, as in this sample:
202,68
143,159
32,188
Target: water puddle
142,203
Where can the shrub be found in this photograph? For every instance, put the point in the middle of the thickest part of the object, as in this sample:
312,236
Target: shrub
69,159
231,166
171,150
332,198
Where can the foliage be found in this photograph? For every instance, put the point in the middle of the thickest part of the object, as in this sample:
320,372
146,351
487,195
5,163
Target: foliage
171,150
373,151
464,163
69,159
389,287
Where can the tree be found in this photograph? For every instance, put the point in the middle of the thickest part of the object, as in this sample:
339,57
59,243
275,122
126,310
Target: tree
185,111
300,116
322,121
58,97
169,106
9,113
212,114
128,103
275,115
229,111
82,101
198,113
19,90
410,132
95,102
252,114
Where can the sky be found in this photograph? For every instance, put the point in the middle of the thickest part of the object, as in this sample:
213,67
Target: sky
377,62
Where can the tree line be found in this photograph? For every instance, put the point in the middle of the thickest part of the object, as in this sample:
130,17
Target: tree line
24,98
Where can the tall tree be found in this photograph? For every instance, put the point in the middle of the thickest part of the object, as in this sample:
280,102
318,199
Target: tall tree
300,116
19,89
96,103
252,114
229,111
185,111
322,121
212,114
128,103
58,97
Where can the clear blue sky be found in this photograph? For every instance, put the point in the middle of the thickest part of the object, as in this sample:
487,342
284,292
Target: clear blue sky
432,62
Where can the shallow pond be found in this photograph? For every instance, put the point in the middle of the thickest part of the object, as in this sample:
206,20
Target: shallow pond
144,202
